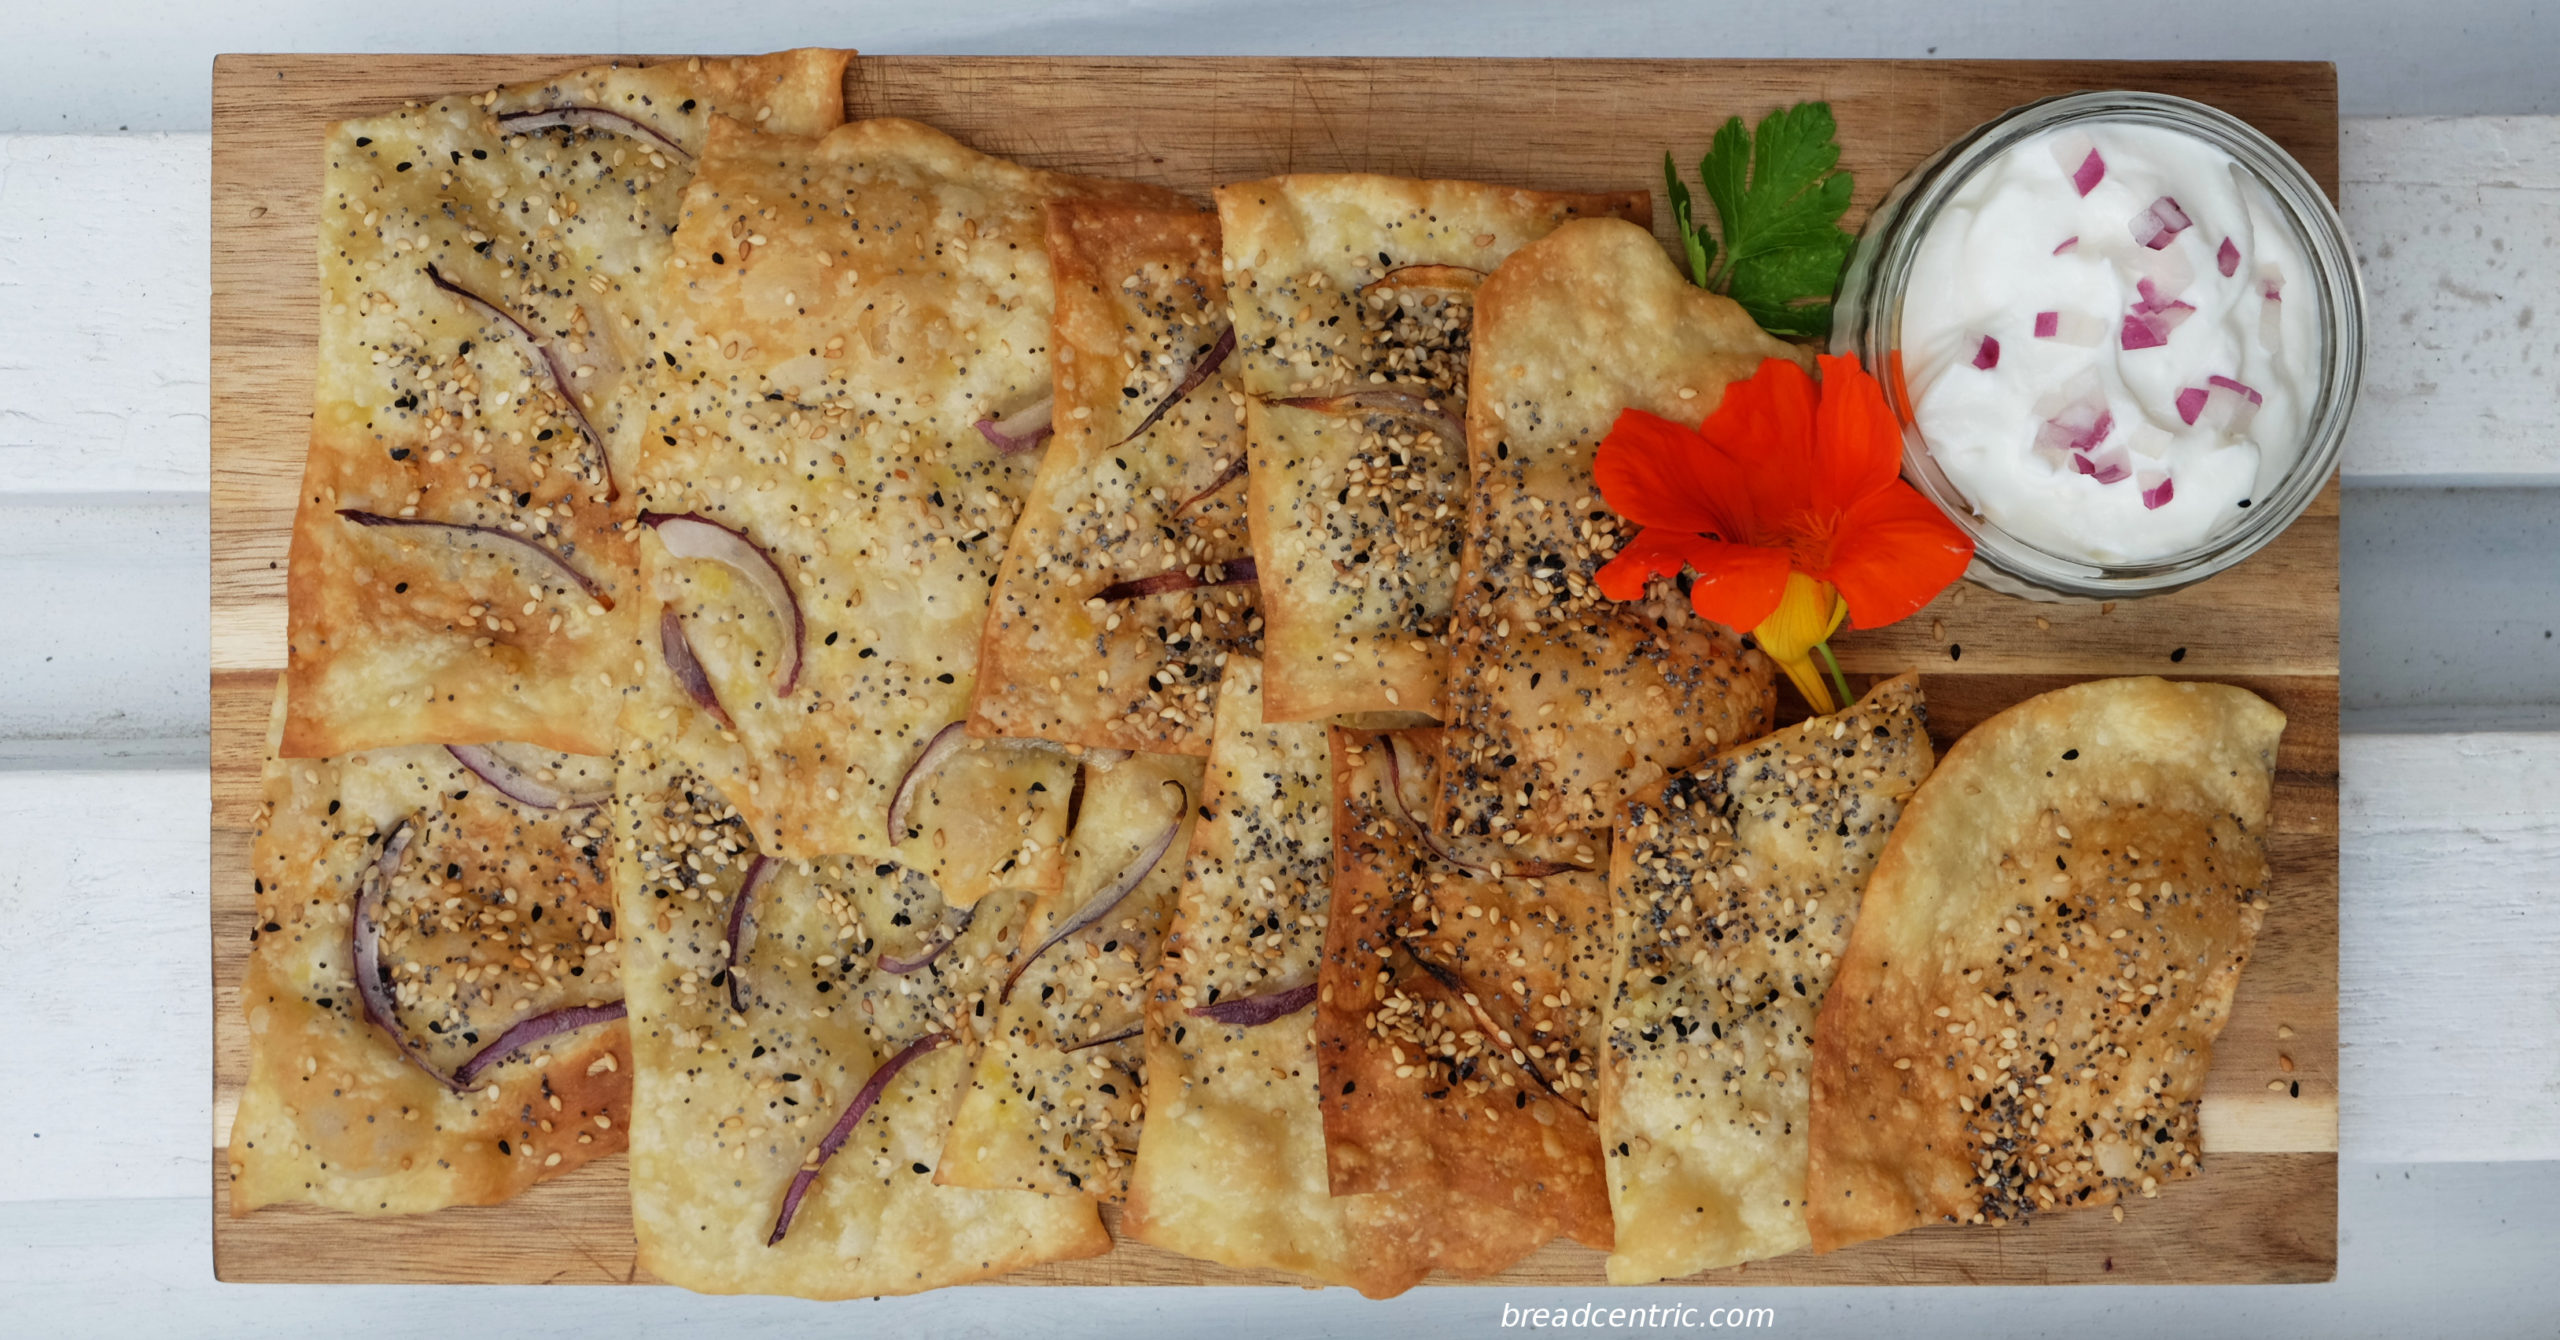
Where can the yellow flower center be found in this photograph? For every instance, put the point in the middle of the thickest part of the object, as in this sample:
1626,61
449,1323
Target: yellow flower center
1808,614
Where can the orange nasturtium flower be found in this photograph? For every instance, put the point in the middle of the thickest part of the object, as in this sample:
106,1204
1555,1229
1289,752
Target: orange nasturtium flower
1789,504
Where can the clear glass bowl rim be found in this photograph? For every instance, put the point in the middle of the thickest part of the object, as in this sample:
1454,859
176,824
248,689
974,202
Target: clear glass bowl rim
1869,324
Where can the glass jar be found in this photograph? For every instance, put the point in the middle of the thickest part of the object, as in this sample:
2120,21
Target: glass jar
1867,322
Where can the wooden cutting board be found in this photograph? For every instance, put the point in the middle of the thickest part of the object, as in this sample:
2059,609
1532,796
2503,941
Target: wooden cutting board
2264,1210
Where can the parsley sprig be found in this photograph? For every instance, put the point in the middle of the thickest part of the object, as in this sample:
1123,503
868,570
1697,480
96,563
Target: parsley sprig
1778,196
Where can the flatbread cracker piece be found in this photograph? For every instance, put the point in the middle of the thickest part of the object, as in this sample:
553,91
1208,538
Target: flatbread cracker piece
1231,1166
1459,1023
494,913
1563,702
1141,487
1054,1106
848,307
2026,1010
1735,884
487,282
1354,299
734,1094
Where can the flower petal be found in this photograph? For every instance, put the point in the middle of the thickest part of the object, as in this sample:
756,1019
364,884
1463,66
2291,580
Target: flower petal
1656,473
1654,552
1895,551
1765,426
1857,443
1738,585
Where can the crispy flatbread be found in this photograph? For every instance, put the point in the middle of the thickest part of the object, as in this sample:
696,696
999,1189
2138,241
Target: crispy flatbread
729,1104
1231,1166
431,407
848,307
1346,284
1055,1104
2027,1007
1563,702
497,912
1736,882
1459,1024
1136,486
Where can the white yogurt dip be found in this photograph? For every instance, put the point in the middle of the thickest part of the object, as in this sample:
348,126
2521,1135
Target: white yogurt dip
2098,344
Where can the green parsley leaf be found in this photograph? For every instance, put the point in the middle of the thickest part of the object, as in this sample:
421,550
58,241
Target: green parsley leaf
1693,238
1779,195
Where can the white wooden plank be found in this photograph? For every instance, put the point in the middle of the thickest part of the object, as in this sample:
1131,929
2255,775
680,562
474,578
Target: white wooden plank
2449,953
2456,222
104,892
108,617
103,355
2441,1249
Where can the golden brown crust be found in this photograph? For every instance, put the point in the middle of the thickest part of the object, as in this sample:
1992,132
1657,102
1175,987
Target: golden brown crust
848,307
497,913
2026,1010
1343,283
1054,1105
730,1103
1457,1028
1562,702
1735,884
428,407
1140,304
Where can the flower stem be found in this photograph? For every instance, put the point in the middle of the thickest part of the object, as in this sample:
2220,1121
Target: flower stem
1837,678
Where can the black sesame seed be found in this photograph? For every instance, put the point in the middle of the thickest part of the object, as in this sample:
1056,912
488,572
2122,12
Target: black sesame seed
2179,655
2069,754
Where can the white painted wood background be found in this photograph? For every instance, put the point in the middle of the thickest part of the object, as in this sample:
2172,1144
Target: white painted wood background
2450,971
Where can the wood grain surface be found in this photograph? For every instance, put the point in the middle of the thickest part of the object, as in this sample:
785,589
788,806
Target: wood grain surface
2264,1210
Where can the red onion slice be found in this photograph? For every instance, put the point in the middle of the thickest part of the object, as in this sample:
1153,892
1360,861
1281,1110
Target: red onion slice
2190,403
742,923
1428,276
1254,1011
2158,495
937,751
692,535
2237,388
2142,332
1102,1041
1398,404
520,786
1021,430
530,1031
2227,259
2092,170
2067,244
590,118
1202,368
550,559
1395,802
372,992
863,1100
947,936
1986,355
1233,572
1235,470
2159,223
549,356
2048,325
687,668
2110,471
1110,895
